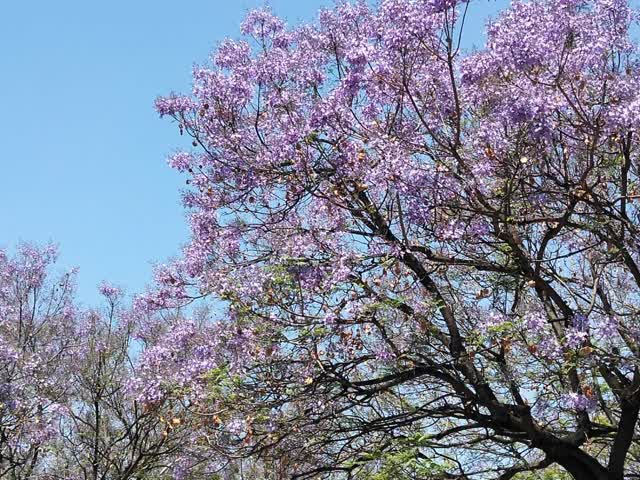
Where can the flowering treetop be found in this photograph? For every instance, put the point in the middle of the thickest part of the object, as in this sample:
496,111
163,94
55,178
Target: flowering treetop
417,249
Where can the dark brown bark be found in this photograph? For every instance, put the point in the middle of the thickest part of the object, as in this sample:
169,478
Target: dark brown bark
623,439
579,464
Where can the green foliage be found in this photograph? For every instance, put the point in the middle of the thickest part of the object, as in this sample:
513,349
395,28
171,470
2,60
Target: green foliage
404,464
553,472
222,384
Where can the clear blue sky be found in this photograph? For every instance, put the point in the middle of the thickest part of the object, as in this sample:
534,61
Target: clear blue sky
82,152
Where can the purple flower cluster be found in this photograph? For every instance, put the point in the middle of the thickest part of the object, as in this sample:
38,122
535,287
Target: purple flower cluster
579,402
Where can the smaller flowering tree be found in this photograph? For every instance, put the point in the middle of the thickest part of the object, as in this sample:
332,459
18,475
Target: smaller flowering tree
37,319
107,432
67,410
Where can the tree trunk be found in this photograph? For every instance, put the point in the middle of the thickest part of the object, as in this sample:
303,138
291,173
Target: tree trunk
579,464
624,437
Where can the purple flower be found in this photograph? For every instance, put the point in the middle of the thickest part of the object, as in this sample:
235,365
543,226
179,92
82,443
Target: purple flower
579,402
535,322
174,104
384,354
550,348
109,291
575,338
580,322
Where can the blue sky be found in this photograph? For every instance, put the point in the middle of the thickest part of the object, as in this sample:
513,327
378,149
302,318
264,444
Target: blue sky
82,151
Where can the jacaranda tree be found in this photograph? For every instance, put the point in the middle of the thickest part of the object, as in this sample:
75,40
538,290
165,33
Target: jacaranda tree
37,321
426,261
66,409
105,434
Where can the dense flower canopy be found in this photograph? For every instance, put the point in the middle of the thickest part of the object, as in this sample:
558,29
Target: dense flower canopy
414,248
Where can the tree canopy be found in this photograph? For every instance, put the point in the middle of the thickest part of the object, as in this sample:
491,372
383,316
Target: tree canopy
419,262
428,259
